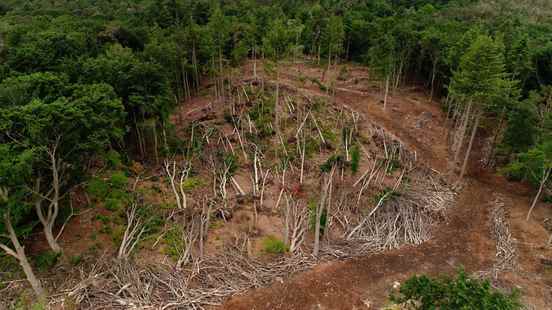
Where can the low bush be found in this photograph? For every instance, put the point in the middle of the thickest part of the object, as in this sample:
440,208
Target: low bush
274,245
46,260
461,292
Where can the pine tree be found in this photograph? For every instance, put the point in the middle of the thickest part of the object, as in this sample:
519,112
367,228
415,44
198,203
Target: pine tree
480,80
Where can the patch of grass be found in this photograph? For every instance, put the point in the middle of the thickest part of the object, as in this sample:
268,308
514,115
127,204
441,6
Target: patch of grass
460,292
103,218
319,84
46,260
192,183
262,114
75,260
312,146
174,245
274,245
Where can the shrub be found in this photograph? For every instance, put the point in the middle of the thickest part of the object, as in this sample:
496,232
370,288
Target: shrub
118,180
191,183
274,245
113,159
332,161
46,260
461,292
174,243
98,188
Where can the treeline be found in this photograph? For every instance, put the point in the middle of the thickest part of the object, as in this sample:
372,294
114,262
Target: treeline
78,78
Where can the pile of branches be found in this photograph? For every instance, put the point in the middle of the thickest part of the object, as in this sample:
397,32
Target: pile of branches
404,218
122,284
506,254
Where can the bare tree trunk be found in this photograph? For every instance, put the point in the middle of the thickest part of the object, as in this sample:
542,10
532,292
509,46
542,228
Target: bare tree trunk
319,211
470,144
276,103
545,177
19,254
433,79
457,147
48,218
386,92
254,62
329,61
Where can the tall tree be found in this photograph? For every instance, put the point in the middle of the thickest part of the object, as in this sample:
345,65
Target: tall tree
334,36
60,135
481,79
14,207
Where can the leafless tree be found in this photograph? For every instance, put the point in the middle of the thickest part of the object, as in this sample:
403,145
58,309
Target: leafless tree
177,176
18,251
136,227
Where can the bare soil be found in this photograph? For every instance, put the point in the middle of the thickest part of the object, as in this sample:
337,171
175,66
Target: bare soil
463,240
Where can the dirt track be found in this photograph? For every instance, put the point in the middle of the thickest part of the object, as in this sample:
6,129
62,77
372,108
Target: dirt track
463,240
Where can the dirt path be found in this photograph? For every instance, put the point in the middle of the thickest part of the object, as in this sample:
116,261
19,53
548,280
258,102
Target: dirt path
463,240
367,281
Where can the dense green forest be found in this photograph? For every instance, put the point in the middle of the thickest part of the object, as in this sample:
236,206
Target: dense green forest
82,79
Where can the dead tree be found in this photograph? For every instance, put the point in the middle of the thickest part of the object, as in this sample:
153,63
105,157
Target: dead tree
320,210
18,252
175,175
545,176
295,224
133,232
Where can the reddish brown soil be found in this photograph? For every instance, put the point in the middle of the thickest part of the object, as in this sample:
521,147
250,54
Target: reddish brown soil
463,240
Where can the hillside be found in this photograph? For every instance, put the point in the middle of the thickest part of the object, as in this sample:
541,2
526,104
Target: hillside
195,154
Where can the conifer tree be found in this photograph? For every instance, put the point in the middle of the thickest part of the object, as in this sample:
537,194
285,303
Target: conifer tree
480,80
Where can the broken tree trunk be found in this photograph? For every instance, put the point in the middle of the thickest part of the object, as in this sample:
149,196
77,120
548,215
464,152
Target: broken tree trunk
319,211
386,92
545,176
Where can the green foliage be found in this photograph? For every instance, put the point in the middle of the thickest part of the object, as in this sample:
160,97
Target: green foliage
274,245
113,159
75,260
192,183
532,165
461,292
334,160
174,244
113,191
355,158
262,113
46,260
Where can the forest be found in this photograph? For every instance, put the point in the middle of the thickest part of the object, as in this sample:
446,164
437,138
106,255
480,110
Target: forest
141,137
